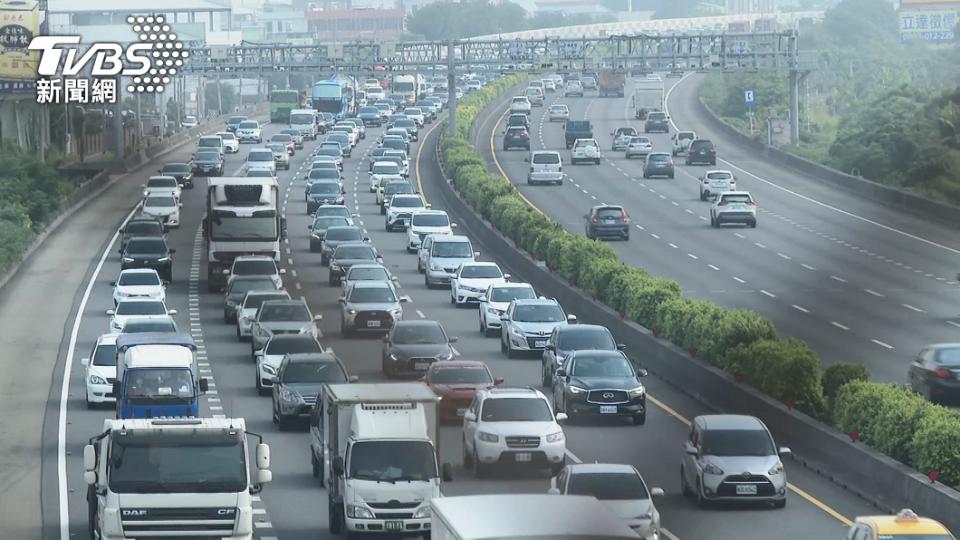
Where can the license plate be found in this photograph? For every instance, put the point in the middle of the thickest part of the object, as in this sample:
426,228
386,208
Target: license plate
373,324
739,207
421,366
461,412
522,457
393,525
608,409
540,343
746,489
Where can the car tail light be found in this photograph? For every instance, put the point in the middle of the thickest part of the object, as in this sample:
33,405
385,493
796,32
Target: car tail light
943,373
626,217
531,169
706,181
596,219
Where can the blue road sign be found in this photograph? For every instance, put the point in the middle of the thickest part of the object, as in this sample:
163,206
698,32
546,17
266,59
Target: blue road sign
748,97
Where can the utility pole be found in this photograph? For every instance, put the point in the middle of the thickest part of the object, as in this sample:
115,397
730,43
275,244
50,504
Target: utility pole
451,91
219,94
794,82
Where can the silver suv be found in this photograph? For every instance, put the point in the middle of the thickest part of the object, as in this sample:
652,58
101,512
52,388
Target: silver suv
527,325
732,458
446,254
370,306
278,317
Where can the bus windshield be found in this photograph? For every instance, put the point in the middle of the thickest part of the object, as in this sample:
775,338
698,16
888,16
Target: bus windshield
327,91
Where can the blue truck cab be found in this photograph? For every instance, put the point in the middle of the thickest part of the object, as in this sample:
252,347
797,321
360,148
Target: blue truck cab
157,376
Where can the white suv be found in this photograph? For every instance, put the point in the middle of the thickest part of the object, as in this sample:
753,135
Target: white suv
713,183
546,167
249,131
424,223
585,150
734,207
520,104
512,426
400,211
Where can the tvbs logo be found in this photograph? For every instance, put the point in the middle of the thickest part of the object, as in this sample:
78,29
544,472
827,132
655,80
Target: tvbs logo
149,62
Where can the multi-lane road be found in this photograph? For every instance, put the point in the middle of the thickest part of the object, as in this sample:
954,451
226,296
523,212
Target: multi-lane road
857,281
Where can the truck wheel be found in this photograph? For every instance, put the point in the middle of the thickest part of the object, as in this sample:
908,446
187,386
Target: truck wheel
335,517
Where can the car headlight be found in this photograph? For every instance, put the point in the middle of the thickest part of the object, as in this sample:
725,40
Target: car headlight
290,396
493,311
96,379
776,469
394,357
555,437
335,267
710,468
435,266
317,236
488,437
268,369
128,259
636,392
445,356
516,331
396,311
576,389
422,512
351,311
163,259
359,512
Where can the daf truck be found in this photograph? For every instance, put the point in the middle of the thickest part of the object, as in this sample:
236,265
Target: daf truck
516,517
157,376
374,446
242,218
172,478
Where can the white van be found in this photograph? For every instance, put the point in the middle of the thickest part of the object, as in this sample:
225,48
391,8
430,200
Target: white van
546,167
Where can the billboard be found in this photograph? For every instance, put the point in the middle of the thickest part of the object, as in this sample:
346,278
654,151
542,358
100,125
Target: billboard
19,24
930,25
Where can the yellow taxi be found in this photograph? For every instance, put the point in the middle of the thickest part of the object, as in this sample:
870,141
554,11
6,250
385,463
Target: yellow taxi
905,525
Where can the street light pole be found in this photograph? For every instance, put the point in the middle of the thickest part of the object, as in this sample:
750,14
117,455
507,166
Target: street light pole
451,91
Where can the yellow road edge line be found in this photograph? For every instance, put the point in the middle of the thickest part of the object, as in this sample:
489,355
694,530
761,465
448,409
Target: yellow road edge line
666,408
503,173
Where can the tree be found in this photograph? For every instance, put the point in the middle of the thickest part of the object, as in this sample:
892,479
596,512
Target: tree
212,101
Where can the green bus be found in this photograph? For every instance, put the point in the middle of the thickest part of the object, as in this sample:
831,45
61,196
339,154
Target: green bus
281,103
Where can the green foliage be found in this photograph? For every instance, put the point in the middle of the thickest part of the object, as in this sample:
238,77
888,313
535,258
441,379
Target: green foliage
784,369
31,195
839,374
902,425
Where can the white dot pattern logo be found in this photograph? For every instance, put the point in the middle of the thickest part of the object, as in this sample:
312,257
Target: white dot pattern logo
153,29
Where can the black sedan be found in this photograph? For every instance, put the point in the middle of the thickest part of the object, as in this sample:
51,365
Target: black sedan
298,381
140,226
935,372
347,255
149,252
600,384
370,116
324,192
181,171
208,163
339,235
412,346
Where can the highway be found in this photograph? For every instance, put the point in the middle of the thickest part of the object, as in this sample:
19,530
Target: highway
857,281
294,505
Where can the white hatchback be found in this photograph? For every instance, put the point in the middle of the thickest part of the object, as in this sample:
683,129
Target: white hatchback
713,183
166,185
100,371
137,308
138,283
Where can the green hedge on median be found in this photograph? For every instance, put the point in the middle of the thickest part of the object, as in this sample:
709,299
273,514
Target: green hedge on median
738,341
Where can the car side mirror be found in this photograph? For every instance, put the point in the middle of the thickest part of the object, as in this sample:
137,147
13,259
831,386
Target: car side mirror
366,238
505,317
507,276
642,372
483,298
561,373
406,298
690,449
497,381
476,253
526,160
553,491
342,299
550,347
171,312
447,472
204,385
172,251
385,338
353,378
310,227
84,362
656,492
110,312
318,317
561,417
338,465
454,339
113,283
226,271
469,416
784,451
454,226
621,347
571,319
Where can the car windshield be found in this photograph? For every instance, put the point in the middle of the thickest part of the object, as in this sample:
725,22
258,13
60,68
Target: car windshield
105,355
325,173
159,202
141,308
538,313
254,268
254,301
546,159
325,222
143,228
368,110
508,294
227,136
325,188
407,334
607,366
516,410
406,202
239,287
260,155
147,246
281,138
701,145
461,375
138,278
430,220
360,295
176,168
393,461
737,442
662,158
405,123
452,250
394,143
580,339
627,131
235,120
607,486
152,326
685,135
737,199
329,151
293,345
355,253
214,142
339,211
949,357
480,271
277,148
398,187
324,371
259,174
558,108
249,125
162,183
386,168
284,313
346,234
656,116
640,140
367,274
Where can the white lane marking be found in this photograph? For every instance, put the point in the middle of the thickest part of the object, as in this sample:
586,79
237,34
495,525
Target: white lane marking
874,293
65,385
738,280
882,344
692,256
421,315
808,267
840,279
674,246
713,267
911,308
952,323
840,326
655,236
783,256
768,293
455,351
759,245
800,308
738,235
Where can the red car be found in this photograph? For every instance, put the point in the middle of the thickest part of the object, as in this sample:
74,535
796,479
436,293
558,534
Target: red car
456,382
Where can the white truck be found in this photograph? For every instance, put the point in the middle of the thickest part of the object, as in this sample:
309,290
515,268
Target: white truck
374,446
173,477
409,86
514,517
304,121
648,96
242,218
